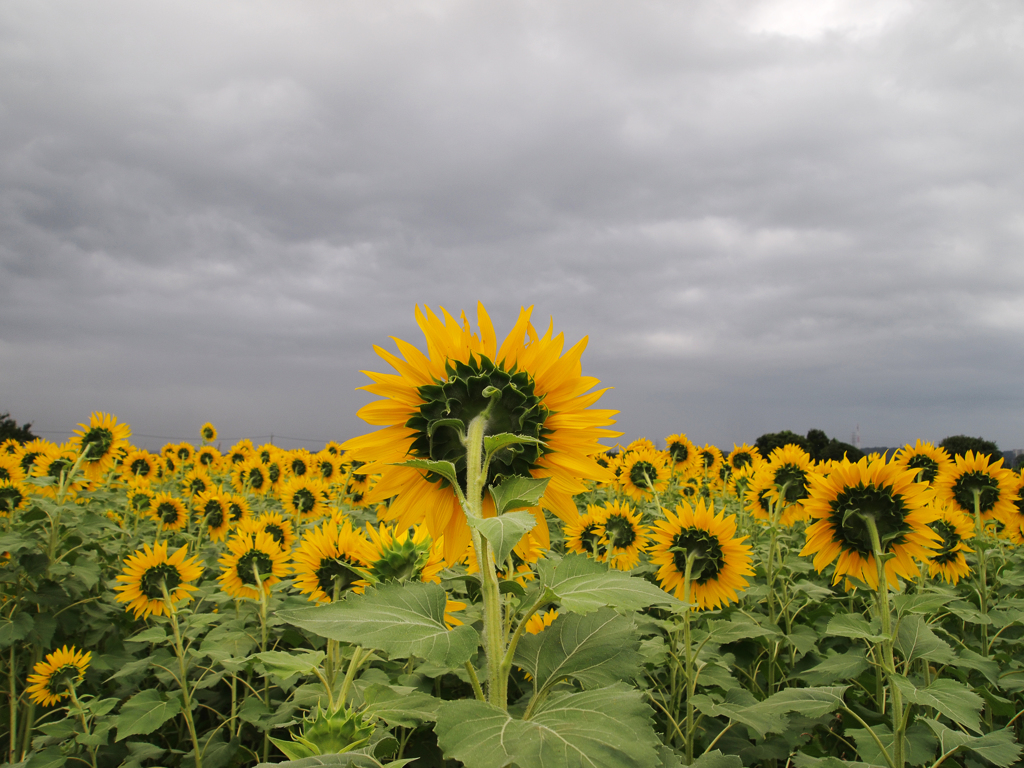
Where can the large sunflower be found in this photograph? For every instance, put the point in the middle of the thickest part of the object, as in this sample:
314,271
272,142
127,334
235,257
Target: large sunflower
330,561
901,508
784,480
930,461
682,452
721,559
974,474
99,441
212,508
543,395
624,536
949,561
248,554
644,472
742,456
169,511
53,676
148,571
305,497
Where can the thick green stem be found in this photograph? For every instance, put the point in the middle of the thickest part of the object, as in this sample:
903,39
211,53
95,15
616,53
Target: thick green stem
888,660
85,723
13,681
350,675
179,650
689,680
979,532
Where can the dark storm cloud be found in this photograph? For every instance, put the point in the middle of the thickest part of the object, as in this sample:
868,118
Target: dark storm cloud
765,215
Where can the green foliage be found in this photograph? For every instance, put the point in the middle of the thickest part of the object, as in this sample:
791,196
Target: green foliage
769,441
959,445
11,430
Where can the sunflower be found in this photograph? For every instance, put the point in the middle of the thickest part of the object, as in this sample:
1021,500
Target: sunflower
721,560
644,472
13,496
148,572
1014,522
900,507
139,464
54,676
408,555
709,461
54,464
331,560
305,497
250,475
208,432
140,497
196,481
785,481
299,462
169,511
10,468
208,457
325,466
250,553
623,536
9,447
99,441
238,508
742,456
240,451
184,452
274,524
949,561
972,478
927,459
212,508
29,452
334,449
583,535
682,452
543,395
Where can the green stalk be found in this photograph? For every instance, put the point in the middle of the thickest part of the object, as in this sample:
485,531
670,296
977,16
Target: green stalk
85,723
350,675
179,651
13,681
979,531
888,660
689,680
263,649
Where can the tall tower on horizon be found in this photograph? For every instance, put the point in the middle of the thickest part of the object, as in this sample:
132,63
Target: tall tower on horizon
856,438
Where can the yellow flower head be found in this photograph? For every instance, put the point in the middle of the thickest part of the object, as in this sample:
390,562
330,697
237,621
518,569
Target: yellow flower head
975,479
250,554
58,672
98,441
148,572
644,472
949,561
330,560
208,432
544,395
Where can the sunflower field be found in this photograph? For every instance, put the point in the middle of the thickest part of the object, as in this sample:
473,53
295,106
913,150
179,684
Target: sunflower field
486,579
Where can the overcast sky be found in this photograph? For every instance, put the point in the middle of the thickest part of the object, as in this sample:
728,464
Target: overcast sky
765,215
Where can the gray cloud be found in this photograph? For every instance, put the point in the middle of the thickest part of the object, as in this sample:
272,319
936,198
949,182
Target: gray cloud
764,215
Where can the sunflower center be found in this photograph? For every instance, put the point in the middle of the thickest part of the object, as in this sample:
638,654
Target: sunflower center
274,471
982,483
63,678
205,458
140,502
214,512
168,512
256,478
742,459
140,468
709,559
852,505
643,474
28,460
401,561
449,406
708,458
620,531
10,498
794,479
927,466
96,443
236,511
335,570
299,467
326,470
950,540
589,538
679,452
196,486
162,573
262,562
184,454
276,532
303,501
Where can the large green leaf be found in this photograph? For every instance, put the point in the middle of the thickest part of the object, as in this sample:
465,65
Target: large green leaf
955,700
769,716
843,666
715,759
915,640
582,585
400,619
856,626
998,747
494,443
504,532
145,712
738,627
596,649
282,665
603,728
406,707
12,630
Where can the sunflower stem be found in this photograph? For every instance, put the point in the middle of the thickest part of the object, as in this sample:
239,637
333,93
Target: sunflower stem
899,722
179,651
13,682
350,674
689,681
979,530
85,723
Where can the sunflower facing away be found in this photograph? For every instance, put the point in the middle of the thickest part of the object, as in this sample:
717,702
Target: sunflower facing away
404,555
929,460
901,508
721,559
644,472
248,554
148,571
973,473
543,395
624,536
330,561
56,674
948,561
682,452
99,441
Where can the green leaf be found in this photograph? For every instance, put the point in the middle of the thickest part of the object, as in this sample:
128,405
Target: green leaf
927,603
404,707
800,760
968,659
494,443
145,712
139,751
13,630
998,747
810,702
715,759
344,760
293,750
517,492
582,585
597,649
955,700
603,728
504,532
156,634
51,757
282,665
443,468
844,666
915,640
856,626
400,619
737,628
739,705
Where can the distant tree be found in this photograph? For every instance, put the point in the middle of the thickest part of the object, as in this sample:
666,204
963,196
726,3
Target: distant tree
9,430
958,445
1018,463
837,451
769,441
817,441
